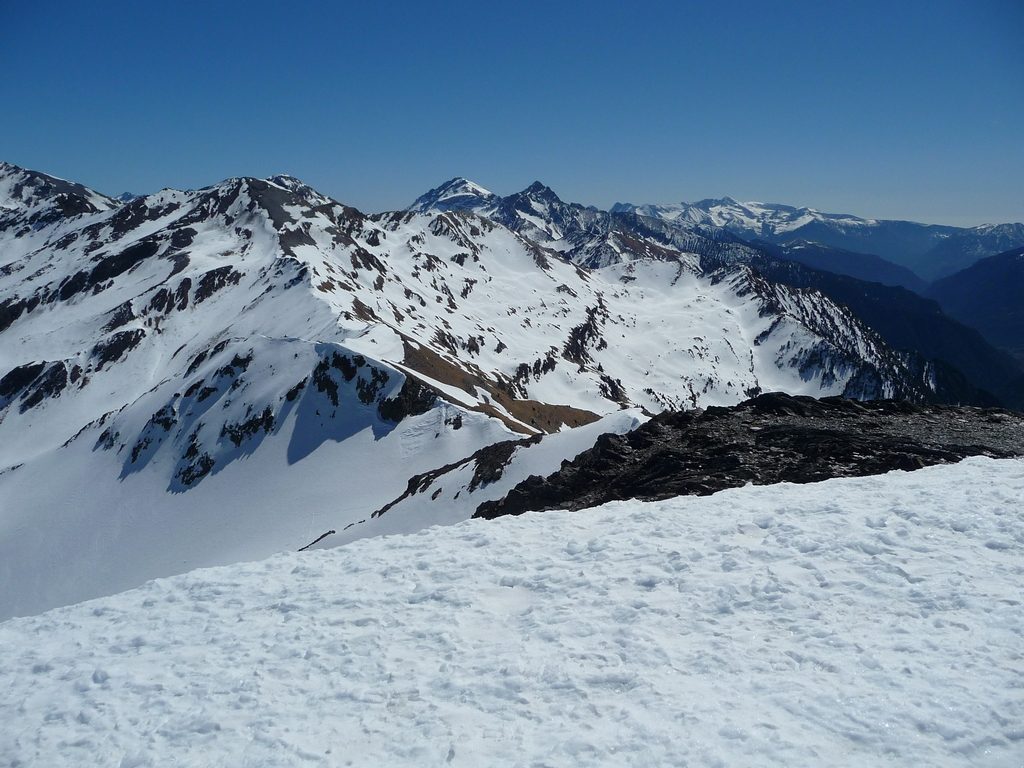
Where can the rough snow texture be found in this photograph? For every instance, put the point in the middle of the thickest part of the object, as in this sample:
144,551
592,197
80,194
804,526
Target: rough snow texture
871,621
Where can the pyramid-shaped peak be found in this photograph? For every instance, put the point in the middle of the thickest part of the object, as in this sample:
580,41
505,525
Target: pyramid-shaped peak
456,194
540,189
467,185
539,193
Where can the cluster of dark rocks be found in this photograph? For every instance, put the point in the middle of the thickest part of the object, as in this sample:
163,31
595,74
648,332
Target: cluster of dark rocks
772,438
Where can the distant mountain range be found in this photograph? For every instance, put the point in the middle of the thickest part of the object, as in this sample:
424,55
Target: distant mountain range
202,376
931,251
969,367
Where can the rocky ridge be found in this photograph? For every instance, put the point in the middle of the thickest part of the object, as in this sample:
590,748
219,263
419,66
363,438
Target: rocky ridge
772,438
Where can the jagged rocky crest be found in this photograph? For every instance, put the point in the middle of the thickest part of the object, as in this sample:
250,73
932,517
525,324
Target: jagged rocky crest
772,438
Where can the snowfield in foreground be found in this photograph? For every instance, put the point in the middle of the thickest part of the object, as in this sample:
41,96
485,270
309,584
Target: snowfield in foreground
869,621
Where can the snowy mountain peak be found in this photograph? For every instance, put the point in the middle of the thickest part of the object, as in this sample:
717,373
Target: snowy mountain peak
539,190
38,198
753,219
1000,230
457,194
930,250
288,182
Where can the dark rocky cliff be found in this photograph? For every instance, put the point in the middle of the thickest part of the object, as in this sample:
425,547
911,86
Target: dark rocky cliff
773,438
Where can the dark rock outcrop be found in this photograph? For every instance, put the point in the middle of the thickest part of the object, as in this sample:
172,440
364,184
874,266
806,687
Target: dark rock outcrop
772,438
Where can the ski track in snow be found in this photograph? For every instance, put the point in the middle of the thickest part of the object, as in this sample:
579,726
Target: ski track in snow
869,621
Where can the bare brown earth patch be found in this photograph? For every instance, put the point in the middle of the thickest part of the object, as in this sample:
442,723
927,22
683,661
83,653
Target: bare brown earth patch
542,417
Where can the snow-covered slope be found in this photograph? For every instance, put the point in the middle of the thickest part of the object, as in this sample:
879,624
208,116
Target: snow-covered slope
456,194
873,621
453,493
177,370
36,199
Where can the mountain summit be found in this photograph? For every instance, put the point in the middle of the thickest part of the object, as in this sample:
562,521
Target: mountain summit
456,194
38,199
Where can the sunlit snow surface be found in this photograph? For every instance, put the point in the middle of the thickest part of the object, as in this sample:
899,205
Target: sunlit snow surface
871,621
142,437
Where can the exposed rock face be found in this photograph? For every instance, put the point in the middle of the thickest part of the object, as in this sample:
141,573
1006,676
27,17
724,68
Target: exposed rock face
772,438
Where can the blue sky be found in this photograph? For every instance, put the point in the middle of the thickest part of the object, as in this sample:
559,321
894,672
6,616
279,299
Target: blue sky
898,110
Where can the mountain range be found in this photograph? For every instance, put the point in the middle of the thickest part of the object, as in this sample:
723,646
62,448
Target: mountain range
198,377
989,296
969,365
931,251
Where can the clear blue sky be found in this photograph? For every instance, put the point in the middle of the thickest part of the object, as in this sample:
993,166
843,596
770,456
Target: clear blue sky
889,109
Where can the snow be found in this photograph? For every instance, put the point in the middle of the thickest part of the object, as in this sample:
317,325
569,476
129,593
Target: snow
453,497
19,191
750,218
454,193
457,302
852,622
74,528
474,188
